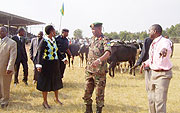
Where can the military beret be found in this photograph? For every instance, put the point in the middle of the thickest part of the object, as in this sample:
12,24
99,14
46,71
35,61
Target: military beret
65,30
96,24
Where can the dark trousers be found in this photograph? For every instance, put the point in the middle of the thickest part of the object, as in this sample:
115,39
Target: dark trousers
25,70
62,67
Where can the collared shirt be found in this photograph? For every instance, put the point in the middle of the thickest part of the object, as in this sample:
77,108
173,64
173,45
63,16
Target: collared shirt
19,37
52,41
155,61
62,43
1,40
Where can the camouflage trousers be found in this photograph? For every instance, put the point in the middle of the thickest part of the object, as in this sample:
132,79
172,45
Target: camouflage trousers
94,81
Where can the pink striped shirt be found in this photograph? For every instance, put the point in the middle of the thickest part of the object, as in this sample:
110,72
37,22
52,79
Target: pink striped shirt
155,62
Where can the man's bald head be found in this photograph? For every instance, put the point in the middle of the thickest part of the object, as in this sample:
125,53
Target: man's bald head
3,32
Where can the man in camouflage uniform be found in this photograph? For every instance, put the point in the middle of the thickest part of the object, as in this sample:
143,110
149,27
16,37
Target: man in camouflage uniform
96,69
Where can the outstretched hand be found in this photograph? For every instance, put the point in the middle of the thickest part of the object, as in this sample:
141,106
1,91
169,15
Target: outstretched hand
39,69
72,57
142,68
8,72
66,62
134,67
95,63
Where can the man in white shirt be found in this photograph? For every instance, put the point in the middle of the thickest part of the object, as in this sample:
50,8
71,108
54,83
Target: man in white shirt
161,73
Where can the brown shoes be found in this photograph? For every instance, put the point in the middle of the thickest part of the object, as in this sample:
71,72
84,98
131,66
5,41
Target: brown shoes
4,105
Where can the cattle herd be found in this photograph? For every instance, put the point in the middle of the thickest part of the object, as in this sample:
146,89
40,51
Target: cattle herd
124,55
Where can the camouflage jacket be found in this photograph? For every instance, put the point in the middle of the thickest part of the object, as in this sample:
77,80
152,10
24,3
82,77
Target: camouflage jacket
98,46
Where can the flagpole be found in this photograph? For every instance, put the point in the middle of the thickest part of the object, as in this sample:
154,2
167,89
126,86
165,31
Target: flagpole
60,24
62,14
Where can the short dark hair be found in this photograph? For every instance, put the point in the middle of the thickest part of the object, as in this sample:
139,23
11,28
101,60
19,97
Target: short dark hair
4,28
48,29
21,29
158,28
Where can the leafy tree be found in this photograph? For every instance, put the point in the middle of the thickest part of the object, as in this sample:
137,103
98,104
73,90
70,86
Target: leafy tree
57,33
78,34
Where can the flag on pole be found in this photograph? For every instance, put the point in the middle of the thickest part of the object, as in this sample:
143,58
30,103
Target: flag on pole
62,9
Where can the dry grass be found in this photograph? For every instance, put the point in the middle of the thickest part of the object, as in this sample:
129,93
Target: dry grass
124,93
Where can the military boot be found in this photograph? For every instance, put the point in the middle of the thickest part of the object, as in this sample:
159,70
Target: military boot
98,109
89,109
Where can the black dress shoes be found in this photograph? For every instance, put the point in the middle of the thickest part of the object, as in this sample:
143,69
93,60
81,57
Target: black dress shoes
25,82
4,105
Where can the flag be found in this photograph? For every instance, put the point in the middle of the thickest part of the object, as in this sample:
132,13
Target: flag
62,9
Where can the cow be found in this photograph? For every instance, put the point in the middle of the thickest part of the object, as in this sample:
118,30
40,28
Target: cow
122,53
84,50
78,50
74,48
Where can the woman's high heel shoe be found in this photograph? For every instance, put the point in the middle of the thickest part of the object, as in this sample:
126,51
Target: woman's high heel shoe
58,102
46,106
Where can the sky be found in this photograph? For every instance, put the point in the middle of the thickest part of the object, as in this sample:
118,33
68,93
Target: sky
116,15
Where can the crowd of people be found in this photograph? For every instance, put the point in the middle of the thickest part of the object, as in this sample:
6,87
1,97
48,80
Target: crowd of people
48,54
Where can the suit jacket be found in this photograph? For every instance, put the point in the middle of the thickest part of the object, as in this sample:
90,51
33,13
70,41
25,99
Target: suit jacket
34,49
145,51
63,45
21,50
8,52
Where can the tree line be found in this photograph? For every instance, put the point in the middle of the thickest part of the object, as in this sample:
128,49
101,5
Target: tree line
173,33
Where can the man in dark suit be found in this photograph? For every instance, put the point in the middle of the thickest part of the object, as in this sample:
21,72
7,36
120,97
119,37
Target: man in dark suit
21,56
33,53
63,48
143,57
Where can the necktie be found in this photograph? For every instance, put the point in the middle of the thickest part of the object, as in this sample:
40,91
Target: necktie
21,38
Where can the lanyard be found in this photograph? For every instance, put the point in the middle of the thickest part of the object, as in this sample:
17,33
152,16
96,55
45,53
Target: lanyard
152,50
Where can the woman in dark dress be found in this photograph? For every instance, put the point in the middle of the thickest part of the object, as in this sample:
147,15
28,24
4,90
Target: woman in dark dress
50,78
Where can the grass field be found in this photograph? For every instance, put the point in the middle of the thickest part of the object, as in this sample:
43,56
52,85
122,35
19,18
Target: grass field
124,93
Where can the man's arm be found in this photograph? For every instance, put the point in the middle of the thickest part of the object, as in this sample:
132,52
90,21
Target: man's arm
166,49
31,50
12,58
69,52
41,49
143,53
104,57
